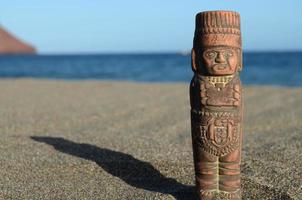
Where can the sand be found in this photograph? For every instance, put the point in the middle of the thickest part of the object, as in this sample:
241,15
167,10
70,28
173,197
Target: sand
122,140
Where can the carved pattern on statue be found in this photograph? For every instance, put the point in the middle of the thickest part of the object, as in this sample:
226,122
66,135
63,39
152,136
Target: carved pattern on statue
220,93
219,133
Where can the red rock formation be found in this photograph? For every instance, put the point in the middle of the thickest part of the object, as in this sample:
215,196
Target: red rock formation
9,44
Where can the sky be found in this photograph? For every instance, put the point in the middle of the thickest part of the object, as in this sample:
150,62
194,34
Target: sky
120,26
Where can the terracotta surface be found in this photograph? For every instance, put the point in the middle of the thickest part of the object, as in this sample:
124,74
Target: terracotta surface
216,105
11,45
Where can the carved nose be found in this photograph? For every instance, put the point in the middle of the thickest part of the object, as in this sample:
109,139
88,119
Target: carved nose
220,58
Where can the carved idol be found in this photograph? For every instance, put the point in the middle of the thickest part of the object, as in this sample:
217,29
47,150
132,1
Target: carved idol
216,105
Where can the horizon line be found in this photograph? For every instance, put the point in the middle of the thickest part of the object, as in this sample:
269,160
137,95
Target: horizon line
184,53
157,52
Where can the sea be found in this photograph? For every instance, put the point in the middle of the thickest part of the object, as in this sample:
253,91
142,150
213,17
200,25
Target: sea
259,68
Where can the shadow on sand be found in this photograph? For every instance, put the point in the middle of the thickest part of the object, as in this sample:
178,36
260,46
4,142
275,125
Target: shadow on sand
134,172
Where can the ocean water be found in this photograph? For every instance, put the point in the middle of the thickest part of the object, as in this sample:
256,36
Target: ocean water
282,69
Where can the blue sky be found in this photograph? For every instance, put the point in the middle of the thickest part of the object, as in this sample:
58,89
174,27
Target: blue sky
98,26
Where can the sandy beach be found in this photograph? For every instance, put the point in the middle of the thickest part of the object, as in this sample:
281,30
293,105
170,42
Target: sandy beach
123,140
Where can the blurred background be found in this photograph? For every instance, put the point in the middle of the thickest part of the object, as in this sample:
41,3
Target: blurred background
142,40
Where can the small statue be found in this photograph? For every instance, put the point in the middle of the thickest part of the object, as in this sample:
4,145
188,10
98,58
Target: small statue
216,105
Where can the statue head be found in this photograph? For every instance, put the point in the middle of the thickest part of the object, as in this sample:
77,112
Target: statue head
217,43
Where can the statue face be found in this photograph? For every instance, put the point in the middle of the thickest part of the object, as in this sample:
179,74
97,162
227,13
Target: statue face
220,60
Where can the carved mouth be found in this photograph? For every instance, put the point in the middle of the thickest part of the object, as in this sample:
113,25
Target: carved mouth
220,67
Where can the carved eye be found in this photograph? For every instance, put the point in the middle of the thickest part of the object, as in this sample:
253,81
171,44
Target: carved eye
210,54
229,54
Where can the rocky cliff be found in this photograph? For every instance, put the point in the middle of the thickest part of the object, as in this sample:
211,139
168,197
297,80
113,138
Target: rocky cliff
9,44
